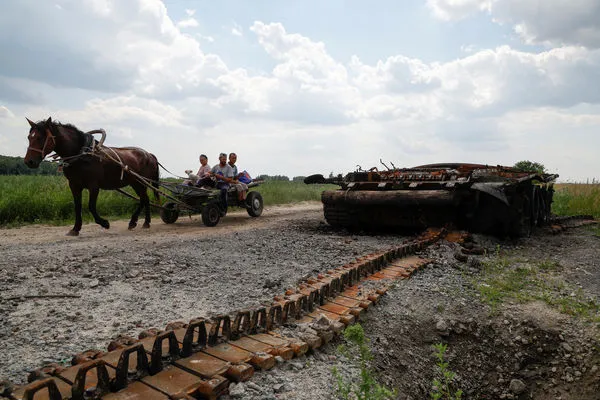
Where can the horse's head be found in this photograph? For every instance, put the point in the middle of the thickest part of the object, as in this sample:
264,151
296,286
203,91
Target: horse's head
41,142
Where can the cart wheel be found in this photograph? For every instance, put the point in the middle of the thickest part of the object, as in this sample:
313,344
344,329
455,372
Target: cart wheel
211,213
169,213
254,204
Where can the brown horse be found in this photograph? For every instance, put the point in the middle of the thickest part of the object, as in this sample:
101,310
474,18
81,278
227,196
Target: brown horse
103,168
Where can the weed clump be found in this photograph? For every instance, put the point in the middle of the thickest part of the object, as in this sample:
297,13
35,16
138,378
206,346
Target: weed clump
367,387
443,385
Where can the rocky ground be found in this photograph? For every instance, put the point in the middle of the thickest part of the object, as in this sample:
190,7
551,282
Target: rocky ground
120,282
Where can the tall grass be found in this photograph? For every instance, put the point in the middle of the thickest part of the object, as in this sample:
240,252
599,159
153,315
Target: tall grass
47,199
282,192
577,198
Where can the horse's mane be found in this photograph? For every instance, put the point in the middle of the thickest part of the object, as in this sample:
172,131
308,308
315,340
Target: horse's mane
56,124
59,124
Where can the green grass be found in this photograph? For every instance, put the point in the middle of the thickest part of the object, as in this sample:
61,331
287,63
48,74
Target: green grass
358,352
504,280
282,192
443,385
47,199
577,198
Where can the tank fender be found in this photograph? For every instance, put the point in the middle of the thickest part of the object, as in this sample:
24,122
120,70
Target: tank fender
494,189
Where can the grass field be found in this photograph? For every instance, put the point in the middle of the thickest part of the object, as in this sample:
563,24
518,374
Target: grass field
577,198
47,199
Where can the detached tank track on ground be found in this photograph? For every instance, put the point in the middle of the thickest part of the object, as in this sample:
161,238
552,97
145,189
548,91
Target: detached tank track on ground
559,224
201,358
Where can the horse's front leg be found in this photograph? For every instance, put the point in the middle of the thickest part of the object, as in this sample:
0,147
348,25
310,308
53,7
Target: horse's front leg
76,192
92,207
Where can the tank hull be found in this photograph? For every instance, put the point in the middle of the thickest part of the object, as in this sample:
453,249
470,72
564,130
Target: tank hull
478,198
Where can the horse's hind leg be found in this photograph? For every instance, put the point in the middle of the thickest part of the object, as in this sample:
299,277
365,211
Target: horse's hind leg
92,207
144,201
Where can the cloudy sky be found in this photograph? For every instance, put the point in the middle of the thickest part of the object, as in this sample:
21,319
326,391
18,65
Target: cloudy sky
301,87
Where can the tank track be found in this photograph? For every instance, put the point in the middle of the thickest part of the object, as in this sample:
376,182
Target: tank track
200,358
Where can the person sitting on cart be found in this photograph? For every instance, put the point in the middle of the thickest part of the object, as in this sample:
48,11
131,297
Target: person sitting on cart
223,173
240,187
204,173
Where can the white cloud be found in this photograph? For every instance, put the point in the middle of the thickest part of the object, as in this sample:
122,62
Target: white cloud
457,9
131,71
5,112
237,30
209,39
190,21
557,22
187,23
119,46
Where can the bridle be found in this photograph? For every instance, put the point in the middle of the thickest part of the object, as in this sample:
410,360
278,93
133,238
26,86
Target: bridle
49,136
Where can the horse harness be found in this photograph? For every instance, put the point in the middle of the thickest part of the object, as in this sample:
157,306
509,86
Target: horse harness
49,136
90,147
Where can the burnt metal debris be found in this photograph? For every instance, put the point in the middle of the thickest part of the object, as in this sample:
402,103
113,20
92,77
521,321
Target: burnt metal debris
496,200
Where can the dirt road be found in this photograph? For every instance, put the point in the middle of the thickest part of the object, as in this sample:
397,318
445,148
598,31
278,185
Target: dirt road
122,282
126,281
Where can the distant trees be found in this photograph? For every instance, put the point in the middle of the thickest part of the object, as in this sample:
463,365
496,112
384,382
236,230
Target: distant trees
15,166
298,179
273,177
530,166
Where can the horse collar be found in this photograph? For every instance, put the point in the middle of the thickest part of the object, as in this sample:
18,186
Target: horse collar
88,143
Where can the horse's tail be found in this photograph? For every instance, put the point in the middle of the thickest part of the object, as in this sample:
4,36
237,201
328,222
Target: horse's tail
155,190
156,179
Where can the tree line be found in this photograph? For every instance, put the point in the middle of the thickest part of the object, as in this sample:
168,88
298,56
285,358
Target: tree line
16,166
265,177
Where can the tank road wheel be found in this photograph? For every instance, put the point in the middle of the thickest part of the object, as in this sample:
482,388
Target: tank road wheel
254,204
521,226
169,213
535,209
542,211
338,216
211,213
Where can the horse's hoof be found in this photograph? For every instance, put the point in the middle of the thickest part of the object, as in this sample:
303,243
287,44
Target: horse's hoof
73,233
105,224
132,226
146,225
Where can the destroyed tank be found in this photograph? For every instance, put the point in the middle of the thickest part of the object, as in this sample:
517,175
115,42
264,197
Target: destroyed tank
498,200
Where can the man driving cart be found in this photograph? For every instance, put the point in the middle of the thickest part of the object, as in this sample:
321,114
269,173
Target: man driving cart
223,173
